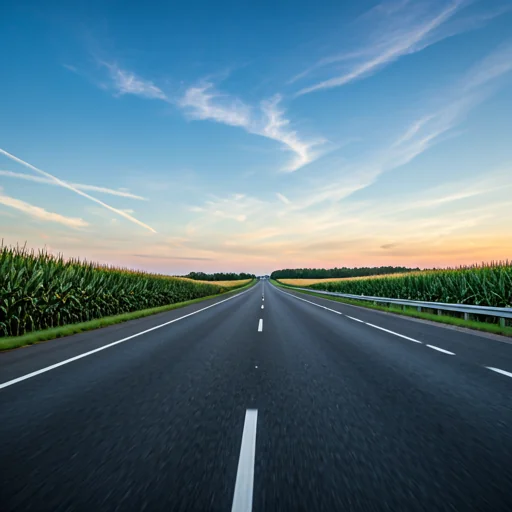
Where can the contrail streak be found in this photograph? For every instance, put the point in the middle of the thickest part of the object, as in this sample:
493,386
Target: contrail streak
79,192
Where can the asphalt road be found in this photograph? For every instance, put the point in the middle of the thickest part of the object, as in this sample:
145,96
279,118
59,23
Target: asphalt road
267,405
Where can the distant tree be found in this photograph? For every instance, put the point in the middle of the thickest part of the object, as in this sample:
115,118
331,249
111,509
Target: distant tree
219,276
322,273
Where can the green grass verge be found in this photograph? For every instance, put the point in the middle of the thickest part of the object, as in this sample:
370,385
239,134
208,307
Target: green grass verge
450,320
13,342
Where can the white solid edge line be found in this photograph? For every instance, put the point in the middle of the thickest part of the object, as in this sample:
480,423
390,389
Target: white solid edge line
309,302
393,332
242,497
433,347
85,354
356,319
260,325
497,370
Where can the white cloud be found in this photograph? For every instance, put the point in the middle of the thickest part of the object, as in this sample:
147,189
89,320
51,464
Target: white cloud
413,129
40,213
73,69
79,186
396,29
277,128
77,191
126,82
282,198
237,207
203,102
435,127
470,91
495,182
421,135
494,66
227,215
350,56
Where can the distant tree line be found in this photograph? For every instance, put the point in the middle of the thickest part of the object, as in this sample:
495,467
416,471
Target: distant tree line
219,276
323,273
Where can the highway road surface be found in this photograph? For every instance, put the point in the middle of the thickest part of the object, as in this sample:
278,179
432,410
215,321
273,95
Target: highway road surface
266,401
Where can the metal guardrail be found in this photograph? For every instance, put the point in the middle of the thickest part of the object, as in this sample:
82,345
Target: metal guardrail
465,309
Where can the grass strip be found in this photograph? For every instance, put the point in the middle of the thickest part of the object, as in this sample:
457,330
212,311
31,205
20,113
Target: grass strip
449,320
13,342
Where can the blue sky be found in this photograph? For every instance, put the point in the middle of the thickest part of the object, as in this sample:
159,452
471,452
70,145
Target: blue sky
219,136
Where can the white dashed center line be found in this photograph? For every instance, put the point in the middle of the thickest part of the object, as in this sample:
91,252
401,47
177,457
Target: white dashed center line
433,347
262,306
398,334
441,350
260,325
356,319
497,370
242,498
313,303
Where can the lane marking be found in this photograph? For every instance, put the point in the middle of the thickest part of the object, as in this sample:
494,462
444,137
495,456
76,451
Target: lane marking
242,498
104,347
393,332
262,306
356,319
260,325
433,347
263,298
314,303
497,370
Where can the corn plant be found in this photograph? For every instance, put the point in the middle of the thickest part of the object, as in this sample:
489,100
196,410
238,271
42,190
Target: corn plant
481,285
40,291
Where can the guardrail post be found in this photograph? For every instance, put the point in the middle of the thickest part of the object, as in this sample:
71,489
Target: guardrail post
466,316
439,312
419,309
502,322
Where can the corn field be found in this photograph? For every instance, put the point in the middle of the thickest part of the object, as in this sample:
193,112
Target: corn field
40,291
480,285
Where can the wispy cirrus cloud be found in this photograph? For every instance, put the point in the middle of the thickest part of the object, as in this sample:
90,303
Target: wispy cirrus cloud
79,186
71,68
360,228
126,82
474,87
203,102
233,207
277,127
283,198
267,120
39,213
395,29
423,133
68,186
494,66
